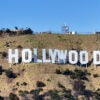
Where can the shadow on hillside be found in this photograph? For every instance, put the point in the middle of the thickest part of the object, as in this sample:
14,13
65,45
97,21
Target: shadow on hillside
78,64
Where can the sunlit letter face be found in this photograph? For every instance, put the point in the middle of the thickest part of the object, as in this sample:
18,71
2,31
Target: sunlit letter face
96,56
29,55
13,55
84,57
54,55
73,57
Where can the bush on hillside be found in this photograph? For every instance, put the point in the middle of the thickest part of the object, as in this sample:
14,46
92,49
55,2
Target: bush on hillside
4,54
67,72
19,47
95,75
13,96
1,70
79,74
24,84
10,74
58,71
40,84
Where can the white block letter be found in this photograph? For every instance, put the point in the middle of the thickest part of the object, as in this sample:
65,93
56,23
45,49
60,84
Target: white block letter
84,57
53,54
62,56
44,56
96,56
29,55
73,57
11,55
36,57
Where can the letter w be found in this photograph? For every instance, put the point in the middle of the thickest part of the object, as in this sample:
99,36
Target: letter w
62,56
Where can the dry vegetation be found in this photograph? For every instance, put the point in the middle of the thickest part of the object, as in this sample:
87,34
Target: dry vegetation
42,81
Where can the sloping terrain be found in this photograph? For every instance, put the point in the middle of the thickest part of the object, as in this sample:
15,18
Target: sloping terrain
27,75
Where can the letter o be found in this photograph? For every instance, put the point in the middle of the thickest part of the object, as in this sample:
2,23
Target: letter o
71,60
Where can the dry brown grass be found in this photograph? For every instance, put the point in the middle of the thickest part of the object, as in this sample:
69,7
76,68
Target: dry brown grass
46,72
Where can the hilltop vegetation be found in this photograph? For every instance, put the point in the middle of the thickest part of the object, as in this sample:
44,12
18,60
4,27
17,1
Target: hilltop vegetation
16,31
41,81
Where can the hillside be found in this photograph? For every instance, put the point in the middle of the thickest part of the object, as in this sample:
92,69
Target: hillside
27,75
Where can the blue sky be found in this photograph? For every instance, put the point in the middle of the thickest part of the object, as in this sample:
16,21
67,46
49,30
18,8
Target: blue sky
45,15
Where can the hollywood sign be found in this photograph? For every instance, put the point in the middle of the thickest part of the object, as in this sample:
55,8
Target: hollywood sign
61,56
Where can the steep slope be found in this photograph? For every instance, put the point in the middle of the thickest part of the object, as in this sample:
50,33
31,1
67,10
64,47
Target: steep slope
33,72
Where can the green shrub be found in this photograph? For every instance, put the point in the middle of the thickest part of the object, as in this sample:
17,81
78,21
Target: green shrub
17,83
10,74
48,80
67,94
61,86
79,74
54,95
67,72
95,75
97,94
37,91
24,84
23,93
58,71
4,54
19,47
40,84
13,97
1,70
